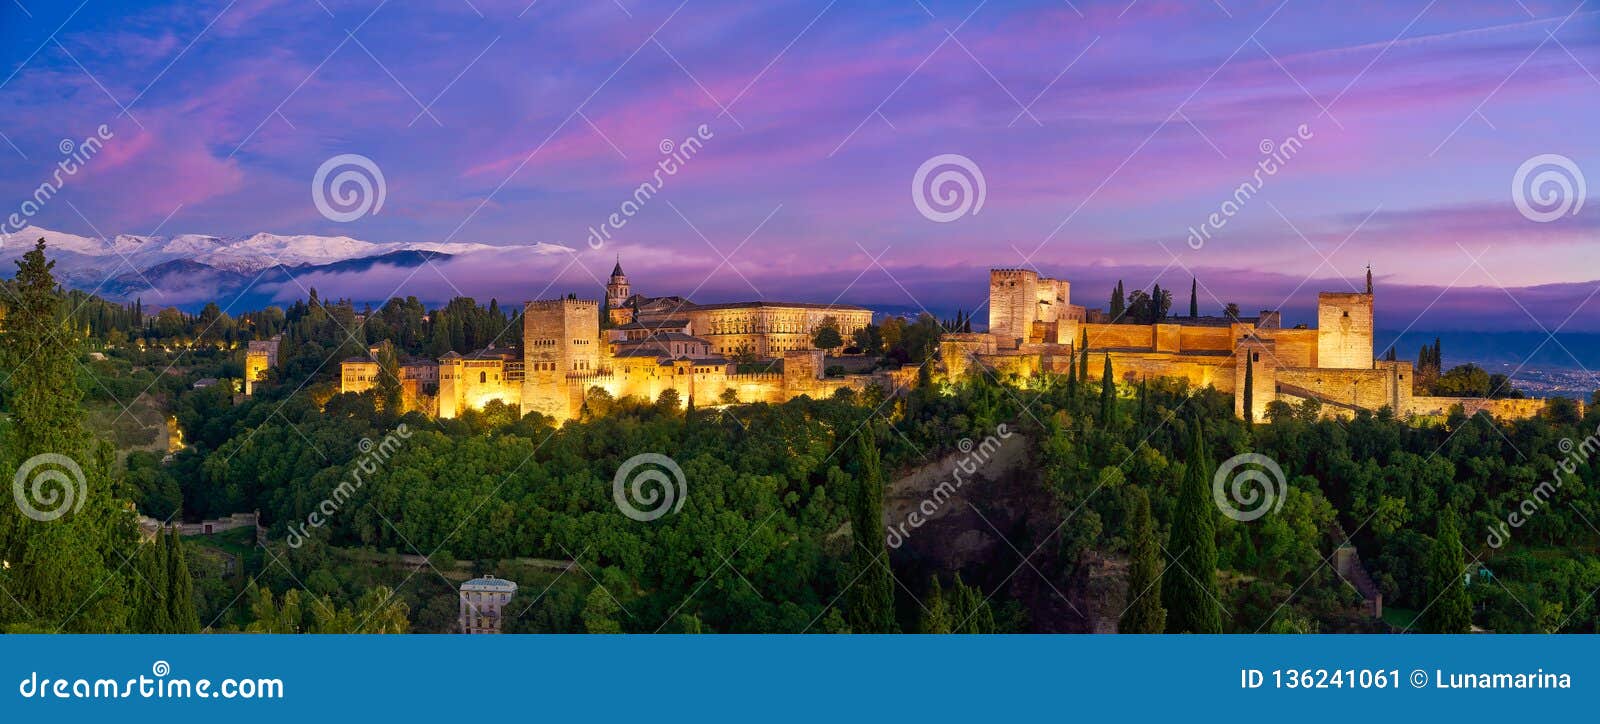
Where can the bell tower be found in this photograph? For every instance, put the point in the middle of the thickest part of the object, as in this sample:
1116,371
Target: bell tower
617,290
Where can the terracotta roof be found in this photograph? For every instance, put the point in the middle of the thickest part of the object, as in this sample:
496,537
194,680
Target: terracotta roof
794,305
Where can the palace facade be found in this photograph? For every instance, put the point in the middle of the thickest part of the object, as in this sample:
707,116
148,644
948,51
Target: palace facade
1034,327
657,344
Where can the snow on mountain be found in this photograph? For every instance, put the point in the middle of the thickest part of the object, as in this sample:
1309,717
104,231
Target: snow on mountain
81,255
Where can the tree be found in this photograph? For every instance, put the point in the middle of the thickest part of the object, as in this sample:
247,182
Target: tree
1118,303
600,612
1450,611
868,339
827,335
59,572
1108,393
936,619
1144,614
1194,301
1083,356
180,587
971,611
390,391
871,597
1231,311
1189,584
1249,388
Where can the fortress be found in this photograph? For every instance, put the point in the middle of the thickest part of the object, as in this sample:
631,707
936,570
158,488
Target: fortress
1034,327
656,344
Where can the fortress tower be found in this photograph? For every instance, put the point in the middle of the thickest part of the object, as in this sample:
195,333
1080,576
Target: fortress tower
560,341
1013,305
1344,330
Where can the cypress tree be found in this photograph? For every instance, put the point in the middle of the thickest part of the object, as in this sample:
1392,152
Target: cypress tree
936,619
149,615
871,599
1144,402
972,613
1451,610
180,586
1083,356
1108,393
1249,388
1072,382
1194,299
1118,303
1189,584
59,575
1144,613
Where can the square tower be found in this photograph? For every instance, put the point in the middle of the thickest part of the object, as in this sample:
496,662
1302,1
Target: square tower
1344,330
560,340
1013,305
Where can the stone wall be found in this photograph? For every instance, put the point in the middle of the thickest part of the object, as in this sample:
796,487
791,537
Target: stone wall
1500,409
1368,389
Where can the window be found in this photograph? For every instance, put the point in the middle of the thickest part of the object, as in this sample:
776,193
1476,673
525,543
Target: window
483,376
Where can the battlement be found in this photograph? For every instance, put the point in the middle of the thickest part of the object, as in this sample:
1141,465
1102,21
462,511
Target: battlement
756,377
563,303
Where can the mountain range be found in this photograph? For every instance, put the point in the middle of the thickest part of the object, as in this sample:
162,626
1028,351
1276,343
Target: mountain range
198,267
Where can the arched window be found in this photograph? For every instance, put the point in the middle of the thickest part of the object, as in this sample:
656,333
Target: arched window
483,376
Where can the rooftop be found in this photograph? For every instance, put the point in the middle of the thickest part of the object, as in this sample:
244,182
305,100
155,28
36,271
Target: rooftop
489,583
789,305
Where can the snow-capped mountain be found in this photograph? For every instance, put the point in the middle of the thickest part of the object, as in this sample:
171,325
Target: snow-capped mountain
238,254
126,265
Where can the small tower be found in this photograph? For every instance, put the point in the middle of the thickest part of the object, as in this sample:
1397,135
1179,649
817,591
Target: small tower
617,290
1369,278
617,293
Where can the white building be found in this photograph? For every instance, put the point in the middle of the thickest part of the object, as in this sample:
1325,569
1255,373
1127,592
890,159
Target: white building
482,601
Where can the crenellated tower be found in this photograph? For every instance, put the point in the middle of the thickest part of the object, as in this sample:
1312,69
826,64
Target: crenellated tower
560,341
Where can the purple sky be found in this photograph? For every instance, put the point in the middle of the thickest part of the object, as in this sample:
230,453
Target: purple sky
1104,132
